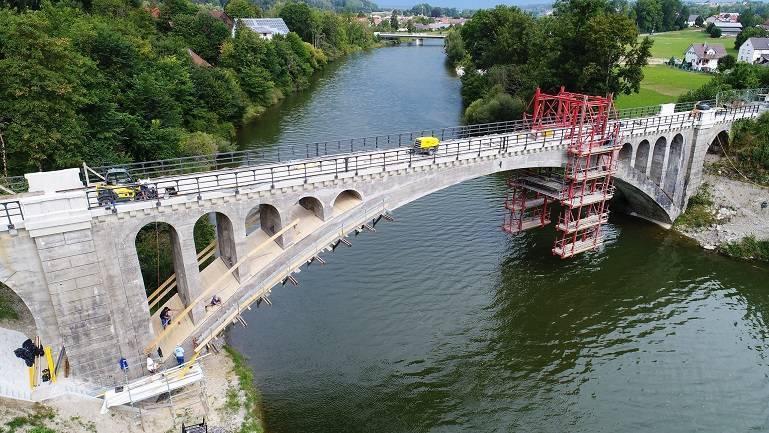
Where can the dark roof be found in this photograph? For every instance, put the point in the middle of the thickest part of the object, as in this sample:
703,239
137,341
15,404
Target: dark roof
701,50
692,18
759,43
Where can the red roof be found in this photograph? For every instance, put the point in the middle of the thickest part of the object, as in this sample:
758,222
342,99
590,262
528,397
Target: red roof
196,59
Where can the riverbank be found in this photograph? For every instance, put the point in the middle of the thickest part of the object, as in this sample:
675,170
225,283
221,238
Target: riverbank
230,395
725,212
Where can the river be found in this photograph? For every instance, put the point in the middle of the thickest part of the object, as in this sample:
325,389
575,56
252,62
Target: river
439,322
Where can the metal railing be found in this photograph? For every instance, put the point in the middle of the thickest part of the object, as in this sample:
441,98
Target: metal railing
11,213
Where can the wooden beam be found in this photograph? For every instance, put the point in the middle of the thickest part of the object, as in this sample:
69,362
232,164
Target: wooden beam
210,290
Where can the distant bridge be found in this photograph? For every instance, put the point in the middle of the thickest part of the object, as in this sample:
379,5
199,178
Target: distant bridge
73,262
418,37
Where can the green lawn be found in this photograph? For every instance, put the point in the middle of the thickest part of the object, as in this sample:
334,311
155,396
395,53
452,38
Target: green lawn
662,84
669,44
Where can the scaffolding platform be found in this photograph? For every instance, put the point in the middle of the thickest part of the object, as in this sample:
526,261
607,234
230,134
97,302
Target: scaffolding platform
584,223
570,249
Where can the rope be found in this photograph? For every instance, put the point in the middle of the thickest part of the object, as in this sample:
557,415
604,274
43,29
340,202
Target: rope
735,167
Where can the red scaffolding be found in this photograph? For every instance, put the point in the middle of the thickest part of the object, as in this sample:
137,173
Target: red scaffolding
584,186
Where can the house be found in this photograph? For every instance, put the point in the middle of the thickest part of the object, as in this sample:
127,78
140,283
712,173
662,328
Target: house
724,17
765,25
728,28
704,57
752,50
692,20
265,27
421,27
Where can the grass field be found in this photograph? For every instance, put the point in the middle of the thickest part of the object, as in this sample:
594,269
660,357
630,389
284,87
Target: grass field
662,84
669,44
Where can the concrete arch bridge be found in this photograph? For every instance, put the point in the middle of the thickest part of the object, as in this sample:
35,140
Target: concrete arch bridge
74,262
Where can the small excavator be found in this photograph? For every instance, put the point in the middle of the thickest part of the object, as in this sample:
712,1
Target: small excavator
119,186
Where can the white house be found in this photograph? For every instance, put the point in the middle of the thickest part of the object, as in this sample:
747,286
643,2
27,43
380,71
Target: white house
265,27
753,49
704,57
692,20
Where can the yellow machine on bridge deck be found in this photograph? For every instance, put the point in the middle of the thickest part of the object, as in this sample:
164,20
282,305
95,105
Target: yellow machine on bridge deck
426,145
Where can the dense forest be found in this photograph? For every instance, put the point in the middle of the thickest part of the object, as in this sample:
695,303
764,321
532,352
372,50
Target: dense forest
111,81
586,45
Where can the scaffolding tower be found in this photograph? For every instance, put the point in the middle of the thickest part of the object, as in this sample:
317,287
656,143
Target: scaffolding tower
583,186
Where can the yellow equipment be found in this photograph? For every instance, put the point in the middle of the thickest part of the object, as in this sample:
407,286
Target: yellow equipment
426,145
51,366
117,186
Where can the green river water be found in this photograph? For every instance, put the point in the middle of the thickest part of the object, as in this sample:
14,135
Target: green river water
439,322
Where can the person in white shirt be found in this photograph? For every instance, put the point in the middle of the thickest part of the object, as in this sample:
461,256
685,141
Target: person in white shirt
179,353
152,366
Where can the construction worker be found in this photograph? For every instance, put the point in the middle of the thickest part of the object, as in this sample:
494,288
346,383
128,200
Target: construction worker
179,354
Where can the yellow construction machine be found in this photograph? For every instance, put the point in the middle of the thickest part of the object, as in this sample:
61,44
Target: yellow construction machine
118,186
426,145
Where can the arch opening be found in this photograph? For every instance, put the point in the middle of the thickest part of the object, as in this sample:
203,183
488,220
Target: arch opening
309,211
642,156
719,141
15,315
262,222
159,250
658,160
214,239
674,164
345,201
626,153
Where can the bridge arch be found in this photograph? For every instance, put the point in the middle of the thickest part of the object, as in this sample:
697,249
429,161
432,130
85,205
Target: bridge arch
263,221
15,313
345,201
674,164
160,256
626,154
313,205
721,139
658,160
642,156
214,235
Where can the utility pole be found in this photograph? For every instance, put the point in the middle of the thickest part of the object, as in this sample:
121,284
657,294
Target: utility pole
2,144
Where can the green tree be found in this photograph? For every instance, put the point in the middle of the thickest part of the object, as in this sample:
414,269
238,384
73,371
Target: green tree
709,28
699,21
454,47
649,15
497,36
726,63
298,18
498,106
410,26
42,94
242,9
715,32
747,33
203,33
597,52
394,21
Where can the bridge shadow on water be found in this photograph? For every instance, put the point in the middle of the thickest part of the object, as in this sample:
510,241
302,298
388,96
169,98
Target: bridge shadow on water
650,333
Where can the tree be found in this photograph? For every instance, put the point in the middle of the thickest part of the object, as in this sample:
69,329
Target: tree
595,51
498,106
498,36
698,21
298,18
671,11
709,28
394,21
726,63
715,32
649,15
410,27
454,47
242,9
203,33
747,33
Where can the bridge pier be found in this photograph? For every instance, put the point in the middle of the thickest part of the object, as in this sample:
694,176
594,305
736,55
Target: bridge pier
186,268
